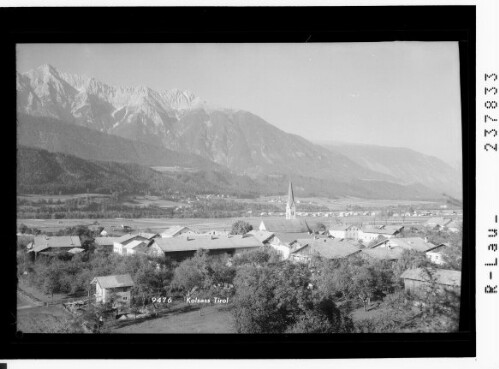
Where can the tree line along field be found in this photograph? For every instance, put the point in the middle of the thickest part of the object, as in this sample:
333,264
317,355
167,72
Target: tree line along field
201,225
115,205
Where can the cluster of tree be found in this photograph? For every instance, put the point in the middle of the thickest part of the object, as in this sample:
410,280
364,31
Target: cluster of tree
93,210
279,298
241,227
356,278
407,313
77,209
73,275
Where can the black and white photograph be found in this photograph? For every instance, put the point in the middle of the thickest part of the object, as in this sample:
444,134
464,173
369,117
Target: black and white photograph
239,188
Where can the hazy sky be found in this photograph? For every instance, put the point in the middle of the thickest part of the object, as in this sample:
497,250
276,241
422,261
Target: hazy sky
403,94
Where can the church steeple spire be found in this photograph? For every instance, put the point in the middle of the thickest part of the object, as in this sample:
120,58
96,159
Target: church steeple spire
290,205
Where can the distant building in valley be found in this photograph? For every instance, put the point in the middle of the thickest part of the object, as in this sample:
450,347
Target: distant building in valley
365,234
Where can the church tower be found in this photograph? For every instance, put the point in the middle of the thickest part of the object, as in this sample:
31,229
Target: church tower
290,205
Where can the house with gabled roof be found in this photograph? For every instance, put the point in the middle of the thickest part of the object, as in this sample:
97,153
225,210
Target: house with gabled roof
383,253
137,247
285,242
454,226
117,287
104,244
53,245
327,248
149,236
179,248
372,232
420,281
120,242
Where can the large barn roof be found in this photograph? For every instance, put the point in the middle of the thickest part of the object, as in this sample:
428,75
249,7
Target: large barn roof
413,243
441,276
285,225
329,248
44,242
261,236
384,253
291,237
216,243
114,281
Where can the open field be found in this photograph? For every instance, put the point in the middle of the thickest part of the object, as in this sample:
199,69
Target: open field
35,198
209,319
174,169
42,319
23,302
201,224
152,201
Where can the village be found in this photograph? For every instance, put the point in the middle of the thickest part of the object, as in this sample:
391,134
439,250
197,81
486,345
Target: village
428,251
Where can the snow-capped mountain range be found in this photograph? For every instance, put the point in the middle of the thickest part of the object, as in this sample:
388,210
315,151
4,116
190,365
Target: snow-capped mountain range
183,122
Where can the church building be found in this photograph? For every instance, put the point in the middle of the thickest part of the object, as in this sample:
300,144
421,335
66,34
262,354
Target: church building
291,205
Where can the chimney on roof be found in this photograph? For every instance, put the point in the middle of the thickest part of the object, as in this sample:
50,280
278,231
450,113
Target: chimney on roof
426,239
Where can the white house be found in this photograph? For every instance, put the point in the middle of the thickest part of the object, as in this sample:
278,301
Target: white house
120,242
115,287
